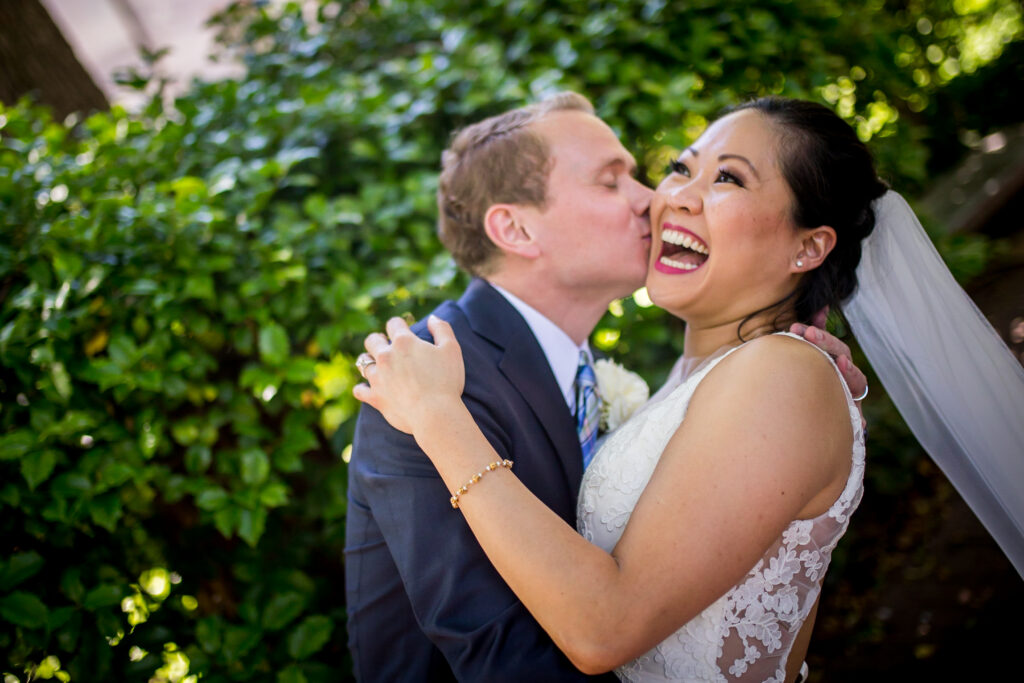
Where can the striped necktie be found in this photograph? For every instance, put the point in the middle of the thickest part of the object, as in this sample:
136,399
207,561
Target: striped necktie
588,408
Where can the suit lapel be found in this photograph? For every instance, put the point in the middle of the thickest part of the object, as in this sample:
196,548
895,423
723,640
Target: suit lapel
526,367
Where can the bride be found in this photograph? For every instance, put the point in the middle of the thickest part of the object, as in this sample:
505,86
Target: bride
707,521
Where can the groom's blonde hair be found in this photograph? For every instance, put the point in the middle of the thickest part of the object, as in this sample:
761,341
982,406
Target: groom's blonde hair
500,160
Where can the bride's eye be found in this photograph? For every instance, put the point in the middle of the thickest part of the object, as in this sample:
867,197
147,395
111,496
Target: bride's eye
724,176
676,166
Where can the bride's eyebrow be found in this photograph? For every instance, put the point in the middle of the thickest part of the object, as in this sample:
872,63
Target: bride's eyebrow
723,157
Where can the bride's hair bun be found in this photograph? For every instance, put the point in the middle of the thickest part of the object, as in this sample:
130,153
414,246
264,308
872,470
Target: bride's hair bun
833,179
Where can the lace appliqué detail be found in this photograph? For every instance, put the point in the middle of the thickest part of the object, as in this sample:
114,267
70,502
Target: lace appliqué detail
745,635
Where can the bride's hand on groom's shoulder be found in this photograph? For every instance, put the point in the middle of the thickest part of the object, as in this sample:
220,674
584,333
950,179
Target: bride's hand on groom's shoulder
411,382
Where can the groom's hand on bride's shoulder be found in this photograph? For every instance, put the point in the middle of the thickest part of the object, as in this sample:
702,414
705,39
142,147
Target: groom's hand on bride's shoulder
831,345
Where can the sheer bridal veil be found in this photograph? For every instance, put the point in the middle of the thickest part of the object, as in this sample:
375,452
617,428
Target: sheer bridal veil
957,385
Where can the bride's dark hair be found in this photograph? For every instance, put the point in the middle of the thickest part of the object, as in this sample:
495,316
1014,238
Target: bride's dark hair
832,176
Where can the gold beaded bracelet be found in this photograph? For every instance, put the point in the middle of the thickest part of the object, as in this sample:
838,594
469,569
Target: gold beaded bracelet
507,464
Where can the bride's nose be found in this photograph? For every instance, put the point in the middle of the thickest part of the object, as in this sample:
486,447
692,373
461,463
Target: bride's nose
684,197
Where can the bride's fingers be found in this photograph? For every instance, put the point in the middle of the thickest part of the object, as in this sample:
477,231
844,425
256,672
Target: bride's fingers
363,363
396,327
364,393
375,343
442,331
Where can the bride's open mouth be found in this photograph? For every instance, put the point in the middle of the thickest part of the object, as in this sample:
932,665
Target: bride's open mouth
681,251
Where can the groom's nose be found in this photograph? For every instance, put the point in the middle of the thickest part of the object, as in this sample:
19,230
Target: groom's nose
640,197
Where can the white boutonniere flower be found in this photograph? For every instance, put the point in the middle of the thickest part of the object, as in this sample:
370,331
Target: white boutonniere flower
622,392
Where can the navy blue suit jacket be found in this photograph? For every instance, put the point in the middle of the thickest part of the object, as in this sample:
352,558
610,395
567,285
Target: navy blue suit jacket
424,602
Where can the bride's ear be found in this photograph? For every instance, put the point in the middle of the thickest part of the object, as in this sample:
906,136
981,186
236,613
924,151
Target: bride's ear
814,246
506,228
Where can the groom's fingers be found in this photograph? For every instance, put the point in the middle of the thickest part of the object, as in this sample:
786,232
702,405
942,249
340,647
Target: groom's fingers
820,318
855,379
828,343
823,340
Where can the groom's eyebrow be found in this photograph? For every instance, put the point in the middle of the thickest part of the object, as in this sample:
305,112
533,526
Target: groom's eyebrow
625,163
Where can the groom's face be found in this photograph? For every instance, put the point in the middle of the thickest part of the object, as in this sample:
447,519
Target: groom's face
594,229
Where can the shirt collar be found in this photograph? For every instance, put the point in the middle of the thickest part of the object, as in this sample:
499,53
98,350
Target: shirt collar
561,351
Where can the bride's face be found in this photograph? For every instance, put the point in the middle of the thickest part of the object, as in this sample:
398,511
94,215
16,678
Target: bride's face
724,243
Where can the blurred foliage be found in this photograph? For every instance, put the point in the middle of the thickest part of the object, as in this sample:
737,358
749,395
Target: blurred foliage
183,289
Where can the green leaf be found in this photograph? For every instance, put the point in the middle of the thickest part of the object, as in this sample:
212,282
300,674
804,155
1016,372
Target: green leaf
38,466
71,584
117,473
20,567
291,674
110,625
212,499
274,494
185,432
73,423
23,609
251,524
255,466
104,595
208,633
282,609
226,520
105,511
238,641
61,380
199,286
59,617
198,458
10,495
16,444
274,348
309,636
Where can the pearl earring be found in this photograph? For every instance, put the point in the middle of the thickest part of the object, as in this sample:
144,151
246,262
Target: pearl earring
799,264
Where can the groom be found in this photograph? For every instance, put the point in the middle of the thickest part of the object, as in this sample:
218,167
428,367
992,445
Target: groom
541,205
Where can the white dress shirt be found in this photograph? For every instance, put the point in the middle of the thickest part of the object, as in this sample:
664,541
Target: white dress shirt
561,351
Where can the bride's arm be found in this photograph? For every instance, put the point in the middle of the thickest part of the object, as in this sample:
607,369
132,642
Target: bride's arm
750,457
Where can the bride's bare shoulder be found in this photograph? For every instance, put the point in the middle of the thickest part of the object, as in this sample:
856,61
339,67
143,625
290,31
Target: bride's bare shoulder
773,368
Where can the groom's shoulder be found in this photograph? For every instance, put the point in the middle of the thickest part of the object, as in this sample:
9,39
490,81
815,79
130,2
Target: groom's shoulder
479,312
451,313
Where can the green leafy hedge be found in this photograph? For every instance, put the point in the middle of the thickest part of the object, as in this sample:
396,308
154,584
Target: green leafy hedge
183,289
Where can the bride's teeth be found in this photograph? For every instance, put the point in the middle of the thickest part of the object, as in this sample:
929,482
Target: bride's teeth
683,240
672,263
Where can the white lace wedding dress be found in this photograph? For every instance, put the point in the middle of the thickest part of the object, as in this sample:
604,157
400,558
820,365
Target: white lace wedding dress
747,634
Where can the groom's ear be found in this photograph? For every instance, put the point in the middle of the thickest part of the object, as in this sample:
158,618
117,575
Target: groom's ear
506,228
815,245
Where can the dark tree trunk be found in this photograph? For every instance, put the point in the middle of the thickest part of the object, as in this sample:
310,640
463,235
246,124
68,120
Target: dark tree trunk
35,58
